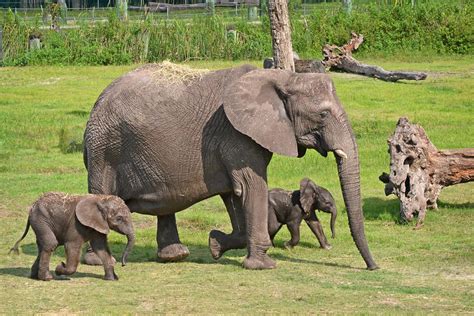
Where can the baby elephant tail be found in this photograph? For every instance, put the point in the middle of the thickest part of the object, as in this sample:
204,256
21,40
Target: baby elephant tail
15,247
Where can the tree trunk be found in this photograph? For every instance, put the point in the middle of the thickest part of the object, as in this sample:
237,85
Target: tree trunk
281,35
418,170
340,59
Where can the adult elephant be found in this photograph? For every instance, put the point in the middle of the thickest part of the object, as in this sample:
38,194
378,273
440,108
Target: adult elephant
164,143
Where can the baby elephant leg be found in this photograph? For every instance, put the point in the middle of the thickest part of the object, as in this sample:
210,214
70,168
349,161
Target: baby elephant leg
46,242
100,247
73,253
294,228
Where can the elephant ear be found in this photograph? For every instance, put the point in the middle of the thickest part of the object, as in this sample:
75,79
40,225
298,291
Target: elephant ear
307,195
90,214
255,106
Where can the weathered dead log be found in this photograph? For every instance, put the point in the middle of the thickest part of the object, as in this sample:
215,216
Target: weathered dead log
305,65
340,59
418,170
281,34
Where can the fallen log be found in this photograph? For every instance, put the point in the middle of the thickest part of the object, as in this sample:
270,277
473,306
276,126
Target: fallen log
340,59
419,171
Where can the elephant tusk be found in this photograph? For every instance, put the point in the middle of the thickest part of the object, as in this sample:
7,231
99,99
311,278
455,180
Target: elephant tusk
340,153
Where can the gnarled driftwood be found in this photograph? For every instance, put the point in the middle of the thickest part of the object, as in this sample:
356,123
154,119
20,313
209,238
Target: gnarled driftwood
418,170
340,59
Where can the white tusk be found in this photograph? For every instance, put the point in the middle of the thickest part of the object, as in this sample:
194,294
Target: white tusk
340,153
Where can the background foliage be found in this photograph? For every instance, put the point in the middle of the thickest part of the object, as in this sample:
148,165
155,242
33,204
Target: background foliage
432,27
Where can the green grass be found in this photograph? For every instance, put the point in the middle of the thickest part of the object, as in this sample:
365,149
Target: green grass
426,271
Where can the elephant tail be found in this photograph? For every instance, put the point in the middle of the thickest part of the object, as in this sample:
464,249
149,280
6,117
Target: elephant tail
15,247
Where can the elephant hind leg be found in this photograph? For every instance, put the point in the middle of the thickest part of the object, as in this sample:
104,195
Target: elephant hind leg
170,248
220,242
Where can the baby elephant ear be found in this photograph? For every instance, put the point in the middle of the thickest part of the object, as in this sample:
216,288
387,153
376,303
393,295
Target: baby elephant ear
307,194
89,214
255,106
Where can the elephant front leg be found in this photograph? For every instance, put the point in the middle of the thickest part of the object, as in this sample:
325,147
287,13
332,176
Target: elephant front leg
255,206
220,242
317,229
73,254
170,248
100,247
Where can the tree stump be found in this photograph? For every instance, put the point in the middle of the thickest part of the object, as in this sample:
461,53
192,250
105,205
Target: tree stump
418,170
340,59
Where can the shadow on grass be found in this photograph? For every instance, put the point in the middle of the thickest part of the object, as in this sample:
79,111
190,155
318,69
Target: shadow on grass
376,208
442,204
281,257
24,272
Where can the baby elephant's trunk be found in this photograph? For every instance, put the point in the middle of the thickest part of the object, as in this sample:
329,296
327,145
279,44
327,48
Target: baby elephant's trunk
128,248
333,221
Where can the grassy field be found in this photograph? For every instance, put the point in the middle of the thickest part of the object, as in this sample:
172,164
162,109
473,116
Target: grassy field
425,271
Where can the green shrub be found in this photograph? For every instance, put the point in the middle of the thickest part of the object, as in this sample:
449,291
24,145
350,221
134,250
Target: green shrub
431,27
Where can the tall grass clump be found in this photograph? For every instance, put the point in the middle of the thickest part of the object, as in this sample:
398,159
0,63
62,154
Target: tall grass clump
427,28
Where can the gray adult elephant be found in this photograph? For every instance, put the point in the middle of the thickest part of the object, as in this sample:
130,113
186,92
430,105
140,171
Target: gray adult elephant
163,144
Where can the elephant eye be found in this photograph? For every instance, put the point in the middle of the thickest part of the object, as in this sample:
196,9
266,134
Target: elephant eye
324,114
119,218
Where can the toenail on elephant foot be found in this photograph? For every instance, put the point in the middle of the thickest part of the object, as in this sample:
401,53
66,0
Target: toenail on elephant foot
173,253
253,263
214,245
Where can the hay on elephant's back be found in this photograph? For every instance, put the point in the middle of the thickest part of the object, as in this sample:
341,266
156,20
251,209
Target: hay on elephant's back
168,72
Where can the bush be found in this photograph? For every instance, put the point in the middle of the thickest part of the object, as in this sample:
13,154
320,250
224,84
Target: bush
434,27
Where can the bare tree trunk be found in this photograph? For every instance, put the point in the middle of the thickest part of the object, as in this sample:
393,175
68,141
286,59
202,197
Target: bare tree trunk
281,35
418,170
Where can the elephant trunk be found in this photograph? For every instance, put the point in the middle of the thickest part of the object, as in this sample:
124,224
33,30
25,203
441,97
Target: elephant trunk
333,222
128,248
349,177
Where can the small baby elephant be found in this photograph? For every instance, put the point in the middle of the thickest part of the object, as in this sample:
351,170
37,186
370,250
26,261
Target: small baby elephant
71,220
290,208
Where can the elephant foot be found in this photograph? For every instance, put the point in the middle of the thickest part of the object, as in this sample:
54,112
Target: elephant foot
327,246
90,258
173,253
60,269
261,263
214,245
46,276
288,245
111,277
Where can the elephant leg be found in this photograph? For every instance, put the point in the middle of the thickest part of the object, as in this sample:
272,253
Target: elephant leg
220,242
317,229
47,243
294,228
255,206
35,268
100,247
170,248
73,254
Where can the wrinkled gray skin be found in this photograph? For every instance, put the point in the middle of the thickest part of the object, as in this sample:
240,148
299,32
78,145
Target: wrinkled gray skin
291,207
163,146
71,220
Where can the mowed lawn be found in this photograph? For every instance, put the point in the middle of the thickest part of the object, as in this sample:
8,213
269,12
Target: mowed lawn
424,271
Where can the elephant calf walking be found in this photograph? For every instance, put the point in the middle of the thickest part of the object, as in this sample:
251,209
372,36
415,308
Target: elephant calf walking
290,208
72,220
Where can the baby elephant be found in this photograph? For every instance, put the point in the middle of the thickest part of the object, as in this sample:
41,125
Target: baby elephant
290,208
72,220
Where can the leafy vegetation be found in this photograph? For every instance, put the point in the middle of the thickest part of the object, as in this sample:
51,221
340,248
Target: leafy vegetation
428,28
425,271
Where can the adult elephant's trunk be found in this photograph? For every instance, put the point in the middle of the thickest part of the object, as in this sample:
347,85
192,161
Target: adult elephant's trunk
128,248
349,176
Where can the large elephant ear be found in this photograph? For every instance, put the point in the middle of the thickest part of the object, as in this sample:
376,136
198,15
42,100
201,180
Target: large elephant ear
90,215
307,194
255,106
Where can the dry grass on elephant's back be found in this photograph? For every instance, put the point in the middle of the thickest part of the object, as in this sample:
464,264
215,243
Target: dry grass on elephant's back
172,73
